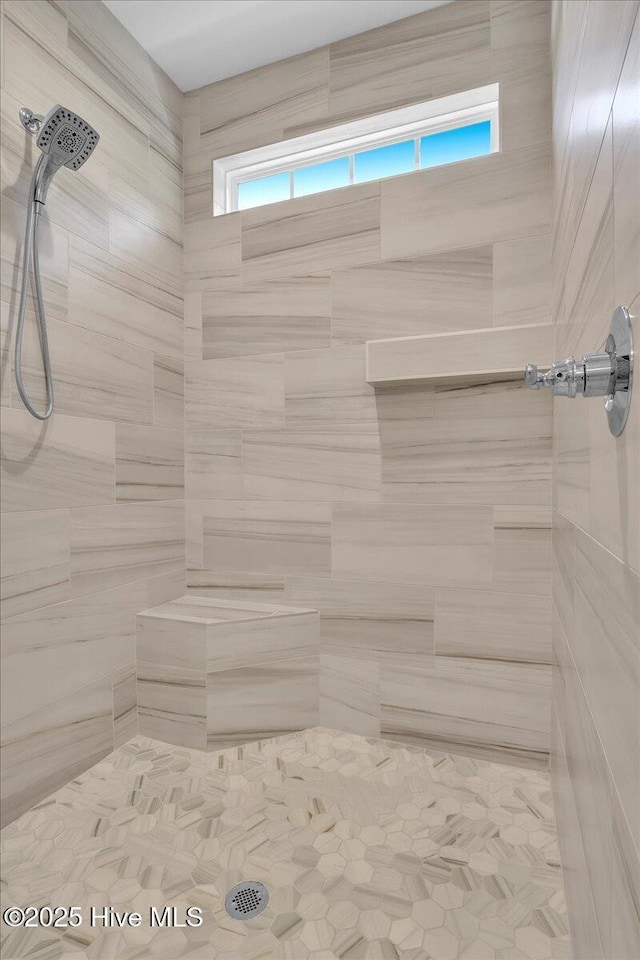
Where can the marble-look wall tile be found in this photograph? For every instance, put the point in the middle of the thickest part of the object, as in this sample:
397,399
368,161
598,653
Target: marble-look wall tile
35,560
350,695
492,198
309,234
496,627
95,376
50,652
123,543
113,297
236,392
312,462
289,314
499,458
564,549
272,637
410,60
193,326
626,188
254,108
158,256
417,543
491,717
47,748
402,298
275,698
172,704
625,889
70,462
212,255
213,463
328,386
371,621
606,650
168,392
125,704
522,281
267,537
522,549
149,463
237,585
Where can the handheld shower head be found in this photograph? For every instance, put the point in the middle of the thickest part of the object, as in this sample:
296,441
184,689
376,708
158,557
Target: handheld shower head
66,140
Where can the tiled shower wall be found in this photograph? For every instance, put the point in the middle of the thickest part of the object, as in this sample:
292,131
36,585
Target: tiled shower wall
596,582
93,525
417,520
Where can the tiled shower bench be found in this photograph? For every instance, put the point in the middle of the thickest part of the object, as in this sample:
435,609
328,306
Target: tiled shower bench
212,673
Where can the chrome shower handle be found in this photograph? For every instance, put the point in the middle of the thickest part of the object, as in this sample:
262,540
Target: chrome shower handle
606,374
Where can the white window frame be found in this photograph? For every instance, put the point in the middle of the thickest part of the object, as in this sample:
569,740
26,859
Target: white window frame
346,140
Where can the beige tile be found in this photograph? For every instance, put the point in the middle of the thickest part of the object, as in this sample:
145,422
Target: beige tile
149,463
508,718
519,24
125,704
410,60
417,543
276,698
70,462
625,890
172,704
331,462
288,314
484,200
156,204
212,252
193,533
193,326
94,376
213,464
614,476
371,621
35,560
272,639
236,585
274,537
496,627
47,748
444,460
168,392
236,392
572,459
323,386
124,542
524,77
350,695
114,297
522,281
606,649
523,555
401,298
491,354
254,108
54,261
589,775
198,184
49,652
564,550
309,234
626,190
154,253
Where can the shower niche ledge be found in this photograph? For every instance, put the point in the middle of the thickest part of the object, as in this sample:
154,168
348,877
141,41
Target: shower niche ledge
214,673
466,356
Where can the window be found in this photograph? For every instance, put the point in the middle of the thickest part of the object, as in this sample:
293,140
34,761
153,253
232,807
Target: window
412,138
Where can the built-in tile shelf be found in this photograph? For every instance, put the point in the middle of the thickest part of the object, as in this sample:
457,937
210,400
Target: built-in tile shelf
468,356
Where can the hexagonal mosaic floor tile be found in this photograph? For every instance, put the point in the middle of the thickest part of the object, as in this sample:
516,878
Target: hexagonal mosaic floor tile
369,850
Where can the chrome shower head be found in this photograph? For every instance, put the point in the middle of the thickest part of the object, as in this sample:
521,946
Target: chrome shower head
66,140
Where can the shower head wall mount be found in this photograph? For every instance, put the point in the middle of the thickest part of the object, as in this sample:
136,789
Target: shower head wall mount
607,374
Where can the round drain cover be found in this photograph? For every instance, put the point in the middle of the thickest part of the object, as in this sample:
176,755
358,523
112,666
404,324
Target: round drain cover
246,900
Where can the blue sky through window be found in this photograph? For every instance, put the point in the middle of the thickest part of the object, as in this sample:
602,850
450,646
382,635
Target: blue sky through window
385,161
255,193
321,176
462,143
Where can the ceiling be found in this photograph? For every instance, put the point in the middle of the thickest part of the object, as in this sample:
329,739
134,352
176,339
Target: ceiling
199,41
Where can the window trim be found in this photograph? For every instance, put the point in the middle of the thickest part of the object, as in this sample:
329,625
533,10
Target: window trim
347,140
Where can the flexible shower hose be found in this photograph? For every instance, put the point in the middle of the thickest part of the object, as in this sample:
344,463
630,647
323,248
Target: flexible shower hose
30,258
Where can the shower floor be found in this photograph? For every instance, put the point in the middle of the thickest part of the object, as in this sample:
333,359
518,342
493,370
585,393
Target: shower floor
369,849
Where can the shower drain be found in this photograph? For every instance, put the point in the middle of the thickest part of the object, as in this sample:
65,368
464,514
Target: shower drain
246,900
